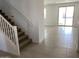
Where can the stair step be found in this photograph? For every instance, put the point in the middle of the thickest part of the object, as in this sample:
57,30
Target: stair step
2,14
0,11
9,20
12,23
23,37
18,29
20,33
25,43
6,17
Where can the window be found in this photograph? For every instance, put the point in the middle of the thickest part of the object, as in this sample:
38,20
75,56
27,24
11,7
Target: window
44,13
66,15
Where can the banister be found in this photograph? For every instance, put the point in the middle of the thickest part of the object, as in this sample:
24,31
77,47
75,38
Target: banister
16,35
6,21
11,32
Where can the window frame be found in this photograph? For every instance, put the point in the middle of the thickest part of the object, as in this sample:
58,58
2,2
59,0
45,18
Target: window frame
65,14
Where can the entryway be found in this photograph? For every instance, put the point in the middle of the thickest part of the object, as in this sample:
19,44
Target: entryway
66,15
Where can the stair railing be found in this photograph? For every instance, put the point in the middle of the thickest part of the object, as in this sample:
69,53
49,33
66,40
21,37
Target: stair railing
10,31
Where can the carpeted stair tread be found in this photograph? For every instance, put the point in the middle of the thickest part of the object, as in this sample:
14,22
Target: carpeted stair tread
25,43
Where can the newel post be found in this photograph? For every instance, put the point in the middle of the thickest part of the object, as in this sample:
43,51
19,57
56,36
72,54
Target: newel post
17,41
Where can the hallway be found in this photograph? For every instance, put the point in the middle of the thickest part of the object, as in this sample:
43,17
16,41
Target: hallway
59,42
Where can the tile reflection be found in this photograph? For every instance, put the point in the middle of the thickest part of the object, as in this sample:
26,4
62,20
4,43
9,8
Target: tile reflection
65,37
66,30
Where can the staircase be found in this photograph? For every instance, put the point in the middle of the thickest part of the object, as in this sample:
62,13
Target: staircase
24,39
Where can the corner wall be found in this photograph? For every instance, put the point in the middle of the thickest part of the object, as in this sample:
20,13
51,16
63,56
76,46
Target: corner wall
33,12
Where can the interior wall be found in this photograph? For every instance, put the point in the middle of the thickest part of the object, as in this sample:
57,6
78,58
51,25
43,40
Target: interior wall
1,3
36,17
33,11
53,13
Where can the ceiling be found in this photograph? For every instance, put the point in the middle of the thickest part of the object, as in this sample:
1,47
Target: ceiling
57,1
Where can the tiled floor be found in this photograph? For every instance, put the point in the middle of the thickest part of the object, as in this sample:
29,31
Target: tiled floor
58,42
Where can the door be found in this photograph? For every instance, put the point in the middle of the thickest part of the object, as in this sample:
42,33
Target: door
66,15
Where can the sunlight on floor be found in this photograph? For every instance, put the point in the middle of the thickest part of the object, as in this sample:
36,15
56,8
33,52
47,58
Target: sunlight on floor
67,30
59,42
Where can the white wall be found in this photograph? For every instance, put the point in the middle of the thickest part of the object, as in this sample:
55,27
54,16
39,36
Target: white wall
1,3
36,17
33,11
53,13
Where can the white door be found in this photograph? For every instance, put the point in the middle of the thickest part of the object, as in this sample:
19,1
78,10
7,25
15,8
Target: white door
66,15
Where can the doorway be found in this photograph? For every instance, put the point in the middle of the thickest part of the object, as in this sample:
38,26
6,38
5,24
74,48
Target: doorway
66,16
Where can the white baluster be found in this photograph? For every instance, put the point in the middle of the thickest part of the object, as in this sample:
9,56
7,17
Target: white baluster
10,31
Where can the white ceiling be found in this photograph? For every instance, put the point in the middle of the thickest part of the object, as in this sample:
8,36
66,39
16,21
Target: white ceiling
57,1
